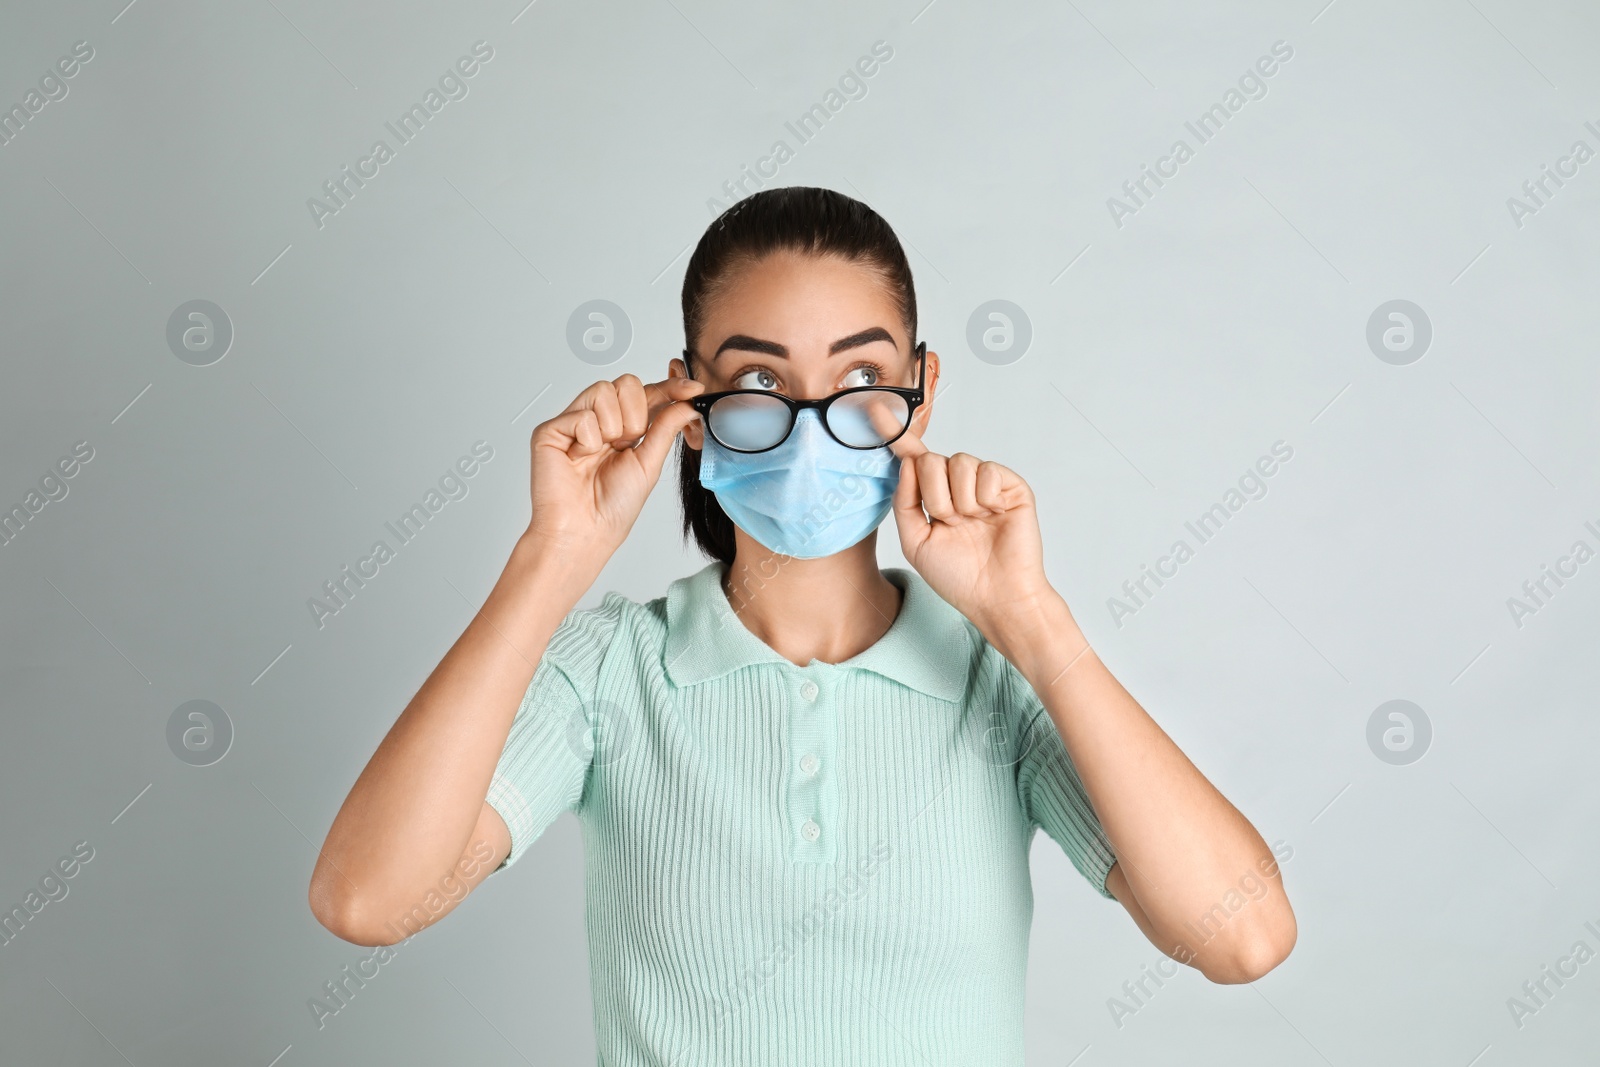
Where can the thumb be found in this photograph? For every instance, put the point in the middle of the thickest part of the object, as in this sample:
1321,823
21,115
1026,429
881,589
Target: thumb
908,517
664,428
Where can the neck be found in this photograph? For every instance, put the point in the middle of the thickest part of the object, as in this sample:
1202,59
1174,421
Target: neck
827,609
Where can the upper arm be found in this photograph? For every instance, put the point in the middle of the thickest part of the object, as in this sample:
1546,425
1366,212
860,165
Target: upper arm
544,767
488,845
1052,795
1117,884
544,764
1055,800
491,830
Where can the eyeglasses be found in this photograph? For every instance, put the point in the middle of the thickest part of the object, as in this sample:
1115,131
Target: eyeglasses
759,420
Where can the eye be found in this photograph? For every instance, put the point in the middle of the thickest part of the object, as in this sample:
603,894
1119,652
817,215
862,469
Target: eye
859,376
756,378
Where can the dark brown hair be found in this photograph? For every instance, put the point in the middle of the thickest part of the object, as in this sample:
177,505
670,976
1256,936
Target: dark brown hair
812,221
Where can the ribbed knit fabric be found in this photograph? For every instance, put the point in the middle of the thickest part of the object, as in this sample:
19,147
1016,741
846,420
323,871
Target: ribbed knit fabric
785,865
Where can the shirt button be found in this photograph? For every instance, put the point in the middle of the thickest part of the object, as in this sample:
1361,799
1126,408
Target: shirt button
810,831
808,763
809,689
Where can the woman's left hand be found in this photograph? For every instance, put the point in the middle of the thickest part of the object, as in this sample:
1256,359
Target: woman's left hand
978,544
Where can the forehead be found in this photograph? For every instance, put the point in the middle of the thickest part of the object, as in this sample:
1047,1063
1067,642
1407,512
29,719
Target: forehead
802,296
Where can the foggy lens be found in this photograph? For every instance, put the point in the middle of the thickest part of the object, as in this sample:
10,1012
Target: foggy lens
868,418
749,422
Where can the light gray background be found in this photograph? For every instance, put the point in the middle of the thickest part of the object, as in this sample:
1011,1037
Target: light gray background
1228,313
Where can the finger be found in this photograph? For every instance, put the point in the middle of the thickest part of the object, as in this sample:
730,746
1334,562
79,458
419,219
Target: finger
908,516
990,489
659,394
577,433
934,480
664,428
608,409
635,408
585,400
669,391
907,494
908,445
964,485
1014,492
885,414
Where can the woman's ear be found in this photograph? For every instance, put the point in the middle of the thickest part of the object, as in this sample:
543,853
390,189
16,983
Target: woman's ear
693,433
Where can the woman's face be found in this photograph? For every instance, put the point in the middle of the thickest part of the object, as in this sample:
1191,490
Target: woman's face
804,326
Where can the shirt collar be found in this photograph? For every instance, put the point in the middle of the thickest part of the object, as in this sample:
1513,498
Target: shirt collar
926,648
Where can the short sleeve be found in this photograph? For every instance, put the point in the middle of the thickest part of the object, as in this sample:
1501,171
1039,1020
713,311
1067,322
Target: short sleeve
544,765
1054,797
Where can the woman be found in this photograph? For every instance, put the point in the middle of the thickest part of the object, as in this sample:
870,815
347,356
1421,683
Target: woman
807,786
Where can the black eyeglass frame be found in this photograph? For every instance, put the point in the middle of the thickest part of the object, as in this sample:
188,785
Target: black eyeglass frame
914,398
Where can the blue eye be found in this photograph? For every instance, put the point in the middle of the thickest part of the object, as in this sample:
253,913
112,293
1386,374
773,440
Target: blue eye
755,379
859,377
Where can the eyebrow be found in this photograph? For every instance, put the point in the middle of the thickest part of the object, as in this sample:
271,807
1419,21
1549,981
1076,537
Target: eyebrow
746,343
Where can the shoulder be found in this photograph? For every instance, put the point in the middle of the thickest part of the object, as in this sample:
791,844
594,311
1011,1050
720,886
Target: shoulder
946,640
1002,715
999,686
617,621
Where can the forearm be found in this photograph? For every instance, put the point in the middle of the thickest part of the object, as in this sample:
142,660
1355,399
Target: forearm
410,814
1182,847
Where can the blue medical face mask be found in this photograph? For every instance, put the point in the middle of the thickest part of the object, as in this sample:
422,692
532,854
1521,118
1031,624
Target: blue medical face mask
807,498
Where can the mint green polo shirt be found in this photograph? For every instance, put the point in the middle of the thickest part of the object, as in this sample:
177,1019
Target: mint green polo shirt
811,865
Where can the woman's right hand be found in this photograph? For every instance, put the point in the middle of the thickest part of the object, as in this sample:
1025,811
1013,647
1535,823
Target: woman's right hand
594,465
